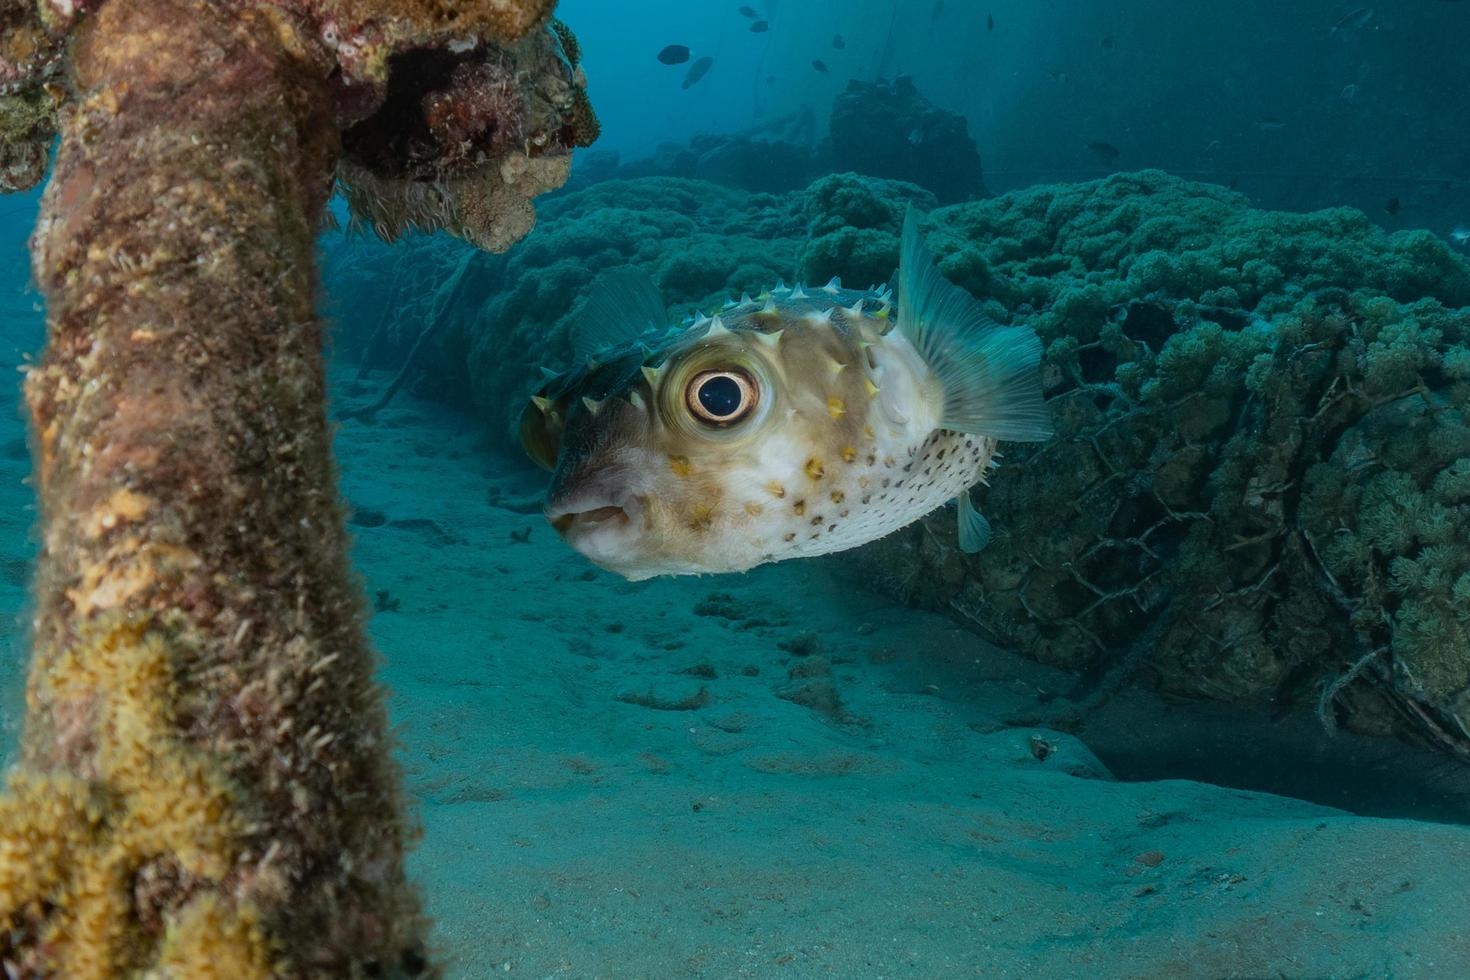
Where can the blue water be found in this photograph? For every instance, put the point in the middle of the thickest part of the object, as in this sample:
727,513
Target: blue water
801,771
1253,91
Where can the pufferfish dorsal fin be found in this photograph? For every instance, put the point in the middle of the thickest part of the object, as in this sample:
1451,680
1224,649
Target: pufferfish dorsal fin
990,374
974,528
623,305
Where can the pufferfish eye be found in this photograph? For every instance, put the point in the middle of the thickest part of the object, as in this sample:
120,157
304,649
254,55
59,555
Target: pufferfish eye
721,397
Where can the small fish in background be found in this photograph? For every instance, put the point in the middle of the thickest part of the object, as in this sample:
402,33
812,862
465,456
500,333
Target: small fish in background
1109,42
938,10
916,136
1393,207
1460,236
1106,151
802,422
820,65
1234,182
1350,92
1270,124
838,42
698,70
1058,76
759,27
990,22
1353,19
674,54
748,12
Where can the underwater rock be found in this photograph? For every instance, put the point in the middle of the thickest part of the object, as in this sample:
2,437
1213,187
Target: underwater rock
888,129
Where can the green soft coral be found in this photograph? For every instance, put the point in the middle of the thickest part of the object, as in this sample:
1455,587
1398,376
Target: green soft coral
1260,450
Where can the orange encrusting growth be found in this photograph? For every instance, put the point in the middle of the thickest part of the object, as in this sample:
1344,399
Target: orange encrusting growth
76,852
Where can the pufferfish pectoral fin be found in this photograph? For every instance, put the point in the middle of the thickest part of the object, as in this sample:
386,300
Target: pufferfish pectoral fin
974,528
623,305
990,374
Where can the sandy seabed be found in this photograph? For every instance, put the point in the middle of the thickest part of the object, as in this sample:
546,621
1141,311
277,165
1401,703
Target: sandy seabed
781,775
778,774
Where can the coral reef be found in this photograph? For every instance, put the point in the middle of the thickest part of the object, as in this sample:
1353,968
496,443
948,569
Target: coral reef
1258,491
30,62
1255,490
205,786
888,129
464,139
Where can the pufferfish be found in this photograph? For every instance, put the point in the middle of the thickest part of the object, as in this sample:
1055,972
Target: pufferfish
801,422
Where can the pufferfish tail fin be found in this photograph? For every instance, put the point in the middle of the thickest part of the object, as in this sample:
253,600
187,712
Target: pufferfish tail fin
974,528
990,374
623,305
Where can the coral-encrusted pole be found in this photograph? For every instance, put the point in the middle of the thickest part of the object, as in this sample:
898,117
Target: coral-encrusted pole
206,786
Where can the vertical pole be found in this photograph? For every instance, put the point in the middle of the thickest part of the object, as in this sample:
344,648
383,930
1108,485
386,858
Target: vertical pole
206,788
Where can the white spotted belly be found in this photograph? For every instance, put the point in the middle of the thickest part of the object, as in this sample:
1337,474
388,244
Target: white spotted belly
873,496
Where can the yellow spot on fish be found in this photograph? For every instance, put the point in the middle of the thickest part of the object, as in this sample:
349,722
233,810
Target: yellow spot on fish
848,454
650,374
680,465
799,507
775,489
754,509
542,403
789,536
835,367
871,388
838,496
864,483
836,407
701,517
814,468
868,431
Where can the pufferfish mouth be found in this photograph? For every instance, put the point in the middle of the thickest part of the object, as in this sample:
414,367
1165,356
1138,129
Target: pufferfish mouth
590,518
591,514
